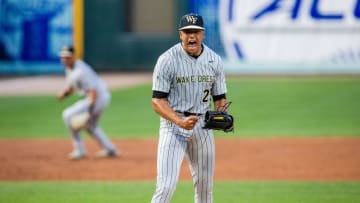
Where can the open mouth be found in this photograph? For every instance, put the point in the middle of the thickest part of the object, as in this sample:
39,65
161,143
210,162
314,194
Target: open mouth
192,46
192,43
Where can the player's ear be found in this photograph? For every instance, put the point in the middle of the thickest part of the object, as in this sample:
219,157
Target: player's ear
180,35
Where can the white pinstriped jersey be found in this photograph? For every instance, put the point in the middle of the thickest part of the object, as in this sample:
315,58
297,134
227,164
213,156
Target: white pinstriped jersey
190,82
82,78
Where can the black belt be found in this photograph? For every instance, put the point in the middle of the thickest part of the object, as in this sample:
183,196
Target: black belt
186,113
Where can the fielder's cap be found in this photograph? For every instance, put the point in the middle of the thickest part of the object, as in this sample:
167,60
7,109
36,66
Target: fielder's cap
191,21
67,51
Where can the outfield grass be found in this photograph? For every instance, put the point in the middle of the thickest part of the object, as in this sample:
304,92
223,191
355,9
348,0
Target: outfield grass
262,108
266,107
302,107
139,192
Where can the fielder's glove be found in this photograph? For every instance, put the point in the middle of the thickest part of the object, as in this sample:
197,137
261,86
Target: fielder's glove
219,120
79,121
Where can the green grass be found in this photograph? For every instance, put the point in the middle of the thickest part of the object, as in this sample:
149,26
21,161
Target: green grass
261,107
296,107
136,192
129,115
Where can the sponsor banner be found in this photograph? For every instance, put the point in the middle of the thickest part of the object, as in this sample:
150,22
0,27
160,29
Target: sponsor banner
302,36
32,33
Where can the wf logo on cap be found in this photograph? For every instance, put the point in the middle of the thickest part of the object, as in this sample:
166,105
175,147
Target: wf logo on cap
191,21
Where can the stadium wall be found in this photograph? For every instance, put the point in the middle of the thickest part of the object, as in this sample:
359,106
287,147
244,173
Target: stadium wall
111,44
253,37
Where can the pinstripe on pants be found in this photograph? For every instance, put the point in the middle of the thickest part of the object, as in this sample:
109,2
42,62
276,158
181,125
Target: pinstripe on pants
199,149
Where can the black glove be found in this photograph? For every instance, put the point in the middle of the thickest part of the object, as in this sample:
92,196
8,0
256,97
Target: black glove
219,120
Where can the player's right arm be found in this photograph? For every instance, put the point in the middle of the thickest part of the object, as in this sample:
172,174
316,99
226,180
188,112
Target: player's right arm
66,92
162,77
161,107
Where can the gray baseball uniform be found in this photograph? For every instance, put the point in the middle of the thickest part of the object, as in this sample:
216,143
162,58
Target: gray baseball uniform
190,83
82,78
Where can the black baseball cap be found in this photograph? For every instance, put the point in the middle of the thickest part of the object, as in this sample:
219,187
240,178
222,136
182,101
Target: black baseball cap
67,51
191,21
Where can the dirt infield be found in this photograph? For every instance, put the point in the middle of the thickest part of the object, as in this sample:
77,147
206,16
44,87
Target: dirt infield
313,159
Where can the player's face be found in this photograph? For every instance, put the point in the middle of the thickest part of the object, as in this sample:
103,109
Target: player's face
68,62
191,41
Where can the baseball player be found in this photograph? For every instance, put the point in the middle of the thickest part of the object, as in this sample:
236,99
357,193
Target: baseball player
80,77
186,78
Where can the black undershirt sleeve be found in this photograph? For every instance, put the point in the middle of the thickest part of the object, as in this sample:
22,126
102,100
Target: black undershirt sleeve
159,94
218,97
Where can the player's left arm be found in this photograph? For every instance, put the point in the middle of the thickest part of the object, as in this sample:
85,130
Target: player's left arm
92,98
220,104
88,85
219,88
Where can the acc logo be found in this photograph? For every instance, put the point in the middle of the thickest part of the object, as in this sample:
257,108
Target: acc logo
289,30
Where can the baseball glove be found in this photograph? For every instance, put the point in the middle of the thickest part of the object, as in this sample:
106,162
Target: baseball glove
219,120
79,121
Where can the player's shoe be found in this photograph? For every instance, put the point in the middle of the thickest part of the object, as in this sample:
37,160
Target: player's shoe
77,154
107,154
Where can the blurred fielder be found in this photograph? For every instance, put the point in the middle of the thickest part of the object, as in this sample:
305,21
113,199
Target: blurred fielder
85,113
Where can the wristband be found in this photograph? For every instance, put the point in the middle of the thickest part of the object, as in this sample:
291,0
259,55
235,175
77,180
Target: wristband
66,94
91,108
